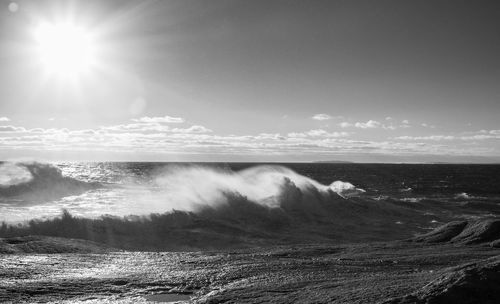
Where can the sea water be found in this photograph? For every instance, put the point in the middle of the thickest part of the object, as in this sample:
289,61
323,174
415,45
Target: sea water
40,190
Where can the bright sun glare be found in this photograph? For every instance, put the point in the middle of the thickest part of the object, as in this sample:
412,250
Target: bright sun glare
65,49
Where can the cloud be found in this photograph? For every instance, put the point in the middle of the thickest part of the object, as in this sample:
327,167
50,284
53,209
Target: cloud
155,137
192,129
3,118
164,119
12,129
153,127
345,124
430,137
138,127
321,117
492,132
317,133
371,124
467,136
272,136
426,125
480,137
321,132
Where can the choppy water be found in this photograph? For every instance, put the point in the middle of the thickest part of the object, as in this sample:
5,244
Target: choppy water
92,189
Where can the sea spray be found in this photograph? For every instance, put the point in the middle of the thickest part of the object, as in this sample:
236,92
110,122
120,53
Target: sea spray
13,174
186,187
201,185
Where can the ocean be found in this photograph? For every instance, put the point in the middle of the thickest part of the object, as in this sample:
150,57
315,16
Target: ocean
253,203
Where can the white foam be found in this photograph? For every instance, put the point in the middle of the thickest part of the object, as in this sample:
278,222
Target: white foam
462,195
345,189
13,174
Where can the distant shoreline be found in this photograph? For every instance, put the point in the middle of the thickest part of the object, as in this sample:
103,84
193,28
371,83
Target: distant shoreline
252,162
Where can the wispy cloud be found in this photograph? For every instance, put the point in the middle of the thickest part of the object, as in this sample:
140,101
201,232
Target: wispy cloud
429,137
164,119
11,129
426,125
491,132
317,133
3,118
479,135
155,137
322,117
192,129
138,127
345,124
371,124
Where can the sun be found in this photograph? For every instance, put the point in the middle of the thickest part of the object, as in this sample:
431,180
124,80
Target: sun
64,49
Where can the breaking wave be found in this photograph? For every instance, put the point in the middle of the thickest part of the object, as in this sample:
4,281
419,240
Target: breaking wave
43,190
269,185
463,196
12,174
38,181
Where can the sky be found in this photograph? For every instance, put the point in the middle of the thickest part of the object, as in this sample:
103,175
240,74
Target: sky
259,81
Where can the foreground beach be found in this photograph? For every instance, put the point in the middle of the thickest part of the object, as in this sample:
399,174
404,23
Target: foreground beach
422,270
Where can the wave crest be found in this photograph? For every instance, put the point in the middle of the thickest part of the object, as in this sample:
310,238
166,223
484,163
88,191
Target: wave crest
270,186
12,174
38,181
